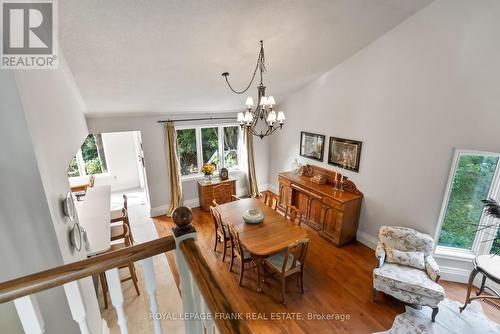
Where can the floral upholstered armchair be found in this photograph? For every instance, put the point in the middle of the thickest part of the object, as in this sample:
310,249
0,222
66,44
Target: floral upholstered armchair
406,269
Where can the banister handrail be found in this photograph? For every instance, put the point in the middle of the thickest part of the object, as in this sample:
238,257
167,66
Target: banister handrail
210,289
27,285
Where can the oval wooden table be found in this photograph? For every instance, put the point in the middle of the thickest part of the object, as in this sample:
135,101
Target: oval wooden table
271,236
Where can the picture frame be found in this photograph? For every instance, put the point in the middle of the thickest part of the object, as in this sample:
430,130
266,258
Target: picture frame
344,153
312,145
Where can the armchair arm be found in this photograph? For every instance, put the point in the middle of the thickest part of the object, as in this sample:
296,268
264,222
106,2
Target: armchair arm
380,254
432,268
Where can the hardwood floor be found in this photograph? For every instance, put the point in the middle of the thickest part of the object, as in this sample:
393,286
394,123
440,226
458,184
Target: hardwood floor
337,283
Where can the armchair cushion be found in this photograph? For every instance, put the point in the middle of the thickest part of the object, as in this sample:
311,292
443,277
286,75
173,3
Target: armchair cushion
407,284
411,259
432,268
380,254
406,239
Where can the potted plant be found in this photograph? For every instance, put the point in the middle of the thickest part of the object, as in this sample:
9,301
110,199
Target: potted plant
492,208
208,170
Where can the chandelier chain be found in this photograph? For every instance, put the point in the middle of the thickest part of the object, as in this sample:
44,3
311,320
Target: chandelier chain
261,65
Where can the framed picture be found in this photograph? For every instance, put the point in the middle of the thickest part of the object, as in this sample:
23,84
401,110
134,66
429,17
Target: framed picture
312,145
344,153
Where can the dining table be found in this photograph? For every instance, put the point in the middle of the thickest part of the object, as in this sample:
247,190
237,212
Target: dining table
273,235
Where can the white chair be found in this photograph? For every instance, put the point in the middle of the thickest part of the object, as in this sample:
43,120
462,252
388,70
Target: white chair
415,287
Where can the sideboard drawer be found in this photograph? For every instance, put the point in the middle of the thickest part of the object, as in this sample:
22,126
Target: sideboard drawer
331,202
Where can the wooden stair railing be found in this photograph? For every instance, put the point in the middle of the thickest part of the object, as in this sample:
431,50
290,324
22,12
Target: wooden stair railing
200,291
27,285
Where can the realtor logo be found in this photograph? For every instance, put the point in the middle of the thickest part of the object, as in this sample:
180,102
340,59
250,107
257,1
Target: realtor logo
29,34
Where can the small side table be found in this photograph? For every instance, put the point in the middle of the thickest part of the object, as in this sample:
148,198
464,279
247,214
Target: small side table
489,266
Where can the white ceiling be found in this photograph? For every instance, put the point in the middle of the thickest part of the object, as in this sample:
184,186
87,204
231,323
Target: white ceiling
138,56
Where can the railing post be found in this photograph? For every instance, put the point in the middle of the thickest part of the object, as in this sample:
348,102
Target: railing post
149,278
77,306
29,314
191,297
115,291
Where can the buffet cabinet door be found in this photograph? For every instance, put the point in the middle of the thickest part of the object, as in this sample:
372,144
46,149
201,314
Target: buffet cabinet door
285,194
315,216
332,224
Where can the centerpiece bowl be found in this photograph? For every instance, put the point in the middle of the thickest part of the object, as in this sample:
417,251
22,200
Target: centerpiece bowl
253,216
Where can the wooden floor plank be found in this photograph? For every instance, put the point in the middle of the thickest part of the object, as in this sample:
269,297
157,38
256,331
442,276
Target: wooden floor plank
336,281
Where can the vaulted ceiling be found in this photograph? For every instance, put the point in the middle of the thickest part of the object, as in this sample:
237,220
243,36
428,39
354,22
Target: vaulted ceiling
158,56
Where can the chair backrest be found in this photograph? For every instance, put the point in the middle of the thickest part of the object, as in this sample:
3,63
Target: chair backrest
235,239
406,239
125,202
293,213
223,193
297,250
92,181
271,201
217,220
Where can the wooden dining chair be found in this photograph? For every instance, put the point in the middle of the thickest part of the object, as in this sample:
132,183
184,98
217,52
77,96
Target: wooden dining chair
293,214
92,181
237,251
288,263
271,200
223,193
127,242
220,231
121,215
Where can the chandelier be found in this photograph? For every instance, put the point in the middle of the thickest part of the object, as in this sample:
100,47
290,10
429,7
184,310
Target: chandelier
264,112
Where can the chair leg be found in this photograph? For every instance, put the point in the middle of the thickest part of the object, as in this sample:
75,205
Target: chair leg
225,248
216,241
283,290
374,294
104,289
242,268
481,288
435,311
232,259
302,280
134,278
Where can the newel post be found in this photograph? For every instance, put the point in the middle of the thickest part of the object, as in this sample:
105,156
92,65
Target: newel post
193,303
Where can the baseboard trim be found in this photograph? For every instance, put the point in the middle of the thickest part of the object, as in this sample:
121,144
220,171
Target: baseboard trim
158,211
454,274
274,188
192,203
367,239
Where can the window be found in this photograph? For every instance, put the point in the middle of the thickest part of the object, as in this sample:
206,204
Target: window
231,137
218,145
186,144
90,158
210,146
474,177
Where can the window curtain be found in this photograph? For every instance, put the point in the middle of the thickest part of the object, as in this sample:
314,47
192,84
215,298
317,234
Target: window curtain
253,189
174,169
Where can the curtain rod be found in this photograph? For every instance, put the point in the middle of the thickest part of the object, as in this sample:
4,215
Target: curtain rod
197,119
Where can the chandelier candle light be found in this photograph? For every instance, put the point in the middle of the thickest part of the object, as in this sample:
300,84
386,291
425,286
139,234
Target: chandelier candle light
264,110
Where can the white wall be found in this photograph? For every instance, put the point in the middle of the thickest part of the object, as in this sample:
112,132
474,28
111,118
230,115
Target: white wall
121,158
153,139
28,241
54,114
426,87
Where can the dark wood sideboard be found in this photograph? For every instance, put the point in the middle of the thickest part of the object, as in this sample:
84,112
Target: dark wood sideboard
334,214
219,190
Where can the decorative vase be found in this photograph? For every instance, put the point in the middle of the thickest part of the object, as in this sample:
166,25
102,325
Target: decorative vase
253,216
208,177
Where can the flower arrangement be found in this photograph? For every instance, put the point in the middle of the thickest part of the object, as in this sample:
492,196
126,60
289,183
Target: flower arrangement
208,169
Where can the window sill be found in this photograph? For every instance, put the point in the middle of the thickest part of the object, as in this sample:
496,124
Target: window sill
198,177
450,253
